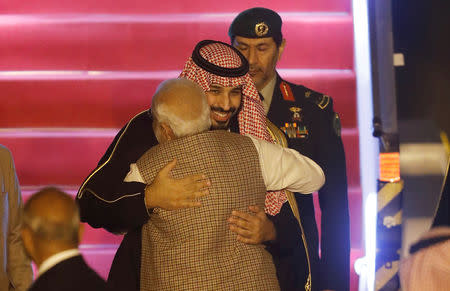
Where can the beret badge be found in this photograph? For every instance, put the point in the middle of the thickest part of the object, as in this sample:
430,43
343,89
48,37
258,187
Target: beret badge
261,29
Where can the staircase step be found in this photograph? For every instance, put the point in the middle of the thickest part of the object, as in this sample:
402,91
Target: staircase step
66,157
109,99
158,42
53,157
99,258
143,6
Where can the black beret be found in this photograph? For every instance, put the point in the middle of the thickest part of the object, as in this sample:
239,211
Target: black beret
256,22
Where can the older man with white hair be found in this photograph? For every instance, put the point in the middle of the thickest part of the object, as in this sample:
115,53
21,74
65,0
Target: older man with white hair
51,234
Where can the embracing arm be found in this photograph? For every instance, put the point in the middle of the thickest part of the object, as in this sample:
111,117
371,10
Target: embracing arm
104,198
282,168
110,201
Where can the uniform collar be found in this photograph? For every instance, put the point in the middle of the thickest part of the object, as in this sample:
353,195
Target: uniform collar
276,98
267,93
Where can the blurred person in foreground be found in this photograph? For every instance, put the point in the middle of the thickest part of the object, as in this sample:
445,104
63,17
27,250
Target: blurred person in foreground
51,234
428,266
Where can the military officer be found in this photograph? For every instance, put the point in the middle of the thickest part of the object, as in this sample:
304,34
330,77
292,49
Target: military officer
310,126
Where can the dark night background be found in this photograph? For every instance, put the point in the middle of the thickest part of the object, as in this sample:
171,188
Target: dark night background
421,32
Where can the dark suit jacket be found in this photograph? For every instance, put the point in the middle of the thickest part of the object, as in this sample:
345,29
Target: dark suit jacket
72,274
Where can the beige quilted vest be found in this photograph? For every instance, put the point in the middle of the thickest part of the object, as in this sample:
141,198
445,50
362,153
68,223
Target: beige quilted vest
193,249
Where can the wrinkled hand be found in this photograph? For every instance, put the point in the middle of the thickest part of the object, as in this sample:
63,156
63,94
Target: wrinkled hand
168,193
252,228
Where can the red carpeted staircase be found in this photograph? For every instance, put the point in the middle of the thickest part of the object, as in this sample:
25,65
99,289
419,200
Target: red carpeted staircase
73,72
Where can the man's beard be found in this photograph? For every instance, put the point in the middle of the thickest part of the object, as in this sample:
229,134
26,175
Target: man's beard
223,124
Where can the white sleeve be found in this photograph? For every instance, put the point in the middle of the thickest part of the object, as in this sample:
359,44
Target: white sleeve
134,175
284,168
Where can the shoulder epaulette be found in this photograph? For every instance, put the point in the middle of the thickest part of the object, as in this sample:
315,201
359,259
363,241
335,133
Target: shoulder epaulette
319,99
286,91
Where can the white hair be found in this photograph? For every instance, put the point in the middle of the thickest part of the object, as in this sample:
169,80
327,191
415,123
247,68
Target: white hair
180,126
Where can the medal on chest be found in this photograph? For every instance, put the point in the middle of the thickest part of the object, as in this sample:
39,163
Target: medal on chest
296,127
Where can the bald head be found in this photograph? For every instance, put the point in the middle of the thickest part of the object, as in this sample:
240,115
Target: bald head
181,105
52,215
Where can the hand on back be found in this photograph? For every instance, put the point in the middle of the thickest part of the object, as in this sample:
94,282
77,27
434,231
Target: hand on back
252,228
169,193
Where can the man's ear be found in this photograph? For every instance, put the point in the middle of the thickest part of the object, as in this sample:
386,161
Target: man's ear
281,49
167,131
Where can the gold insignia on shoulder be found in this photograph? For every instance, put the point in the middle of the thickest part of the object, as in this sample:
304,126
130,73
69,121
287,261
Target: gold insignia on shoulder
307,94
261,29
324,101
